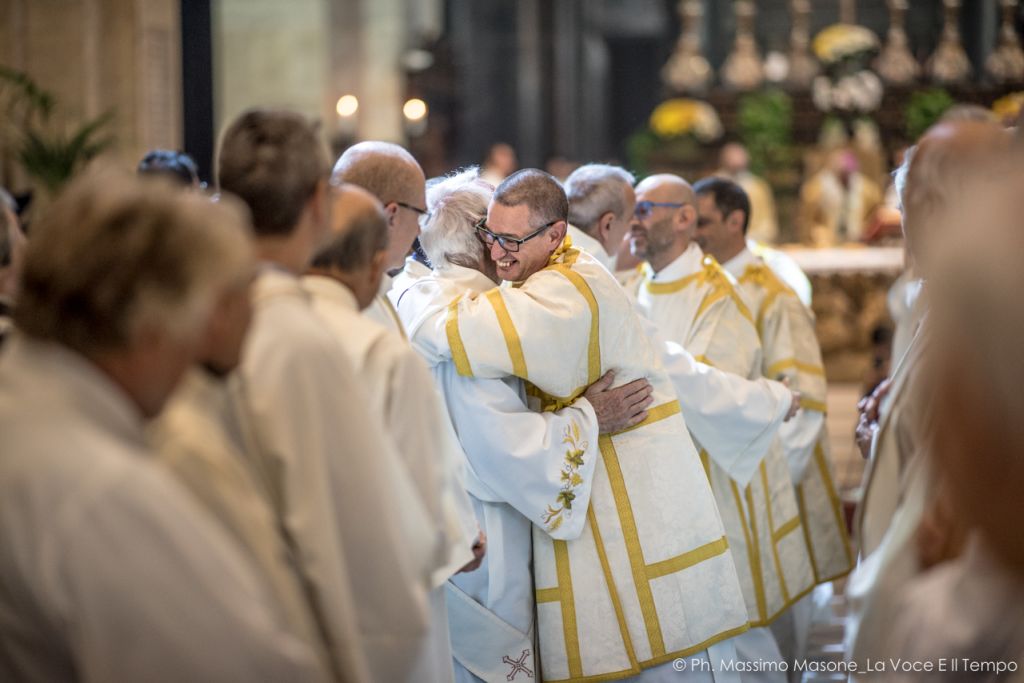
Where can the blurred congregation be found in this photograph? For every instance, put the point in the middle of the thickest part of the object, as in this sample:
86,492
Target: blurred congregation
618,340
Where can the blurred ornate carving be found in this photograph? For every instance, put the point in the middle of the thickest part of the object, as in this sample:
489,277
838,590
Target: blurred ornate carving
895,64
743,69
1006,63
949,62
803,67
687,70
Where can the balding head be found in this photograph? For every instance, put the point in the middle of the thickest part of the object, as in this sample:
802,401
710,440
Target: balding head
355,252
395,178
665,218
951,160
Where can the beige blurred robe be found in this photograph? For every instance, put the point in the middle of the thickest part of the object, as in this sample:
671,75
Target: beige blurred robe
400,388
200,439
651,577
790,350
693,302
340,490
111,571
832,214
382,311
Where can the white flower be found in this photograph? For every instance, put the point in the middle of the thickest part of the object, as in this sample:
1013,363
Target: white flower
821,93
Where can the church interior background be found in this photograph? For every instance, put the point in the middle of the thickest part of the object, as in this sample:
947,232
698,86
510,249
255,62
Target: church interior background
650,84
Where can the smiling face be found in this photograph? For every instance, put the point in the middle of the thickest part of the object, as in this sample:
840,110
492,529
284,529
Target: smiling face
533,255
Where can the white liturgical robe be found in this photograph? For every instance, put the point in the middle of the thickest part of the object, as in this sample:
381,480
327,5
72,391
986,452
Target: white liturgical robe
364,541
412,271
199,437
790,349
515,465
651,577
582,240
693,303
109,569
400,388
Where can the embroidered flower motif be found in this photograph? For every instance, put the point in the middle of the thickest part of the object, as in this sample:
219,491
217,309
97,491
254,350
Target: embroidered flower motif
570,477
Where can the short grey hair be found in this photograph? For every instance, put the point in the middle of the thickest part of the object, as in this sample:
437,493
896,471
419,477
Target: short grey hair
115,254
594,190
386,170
456,204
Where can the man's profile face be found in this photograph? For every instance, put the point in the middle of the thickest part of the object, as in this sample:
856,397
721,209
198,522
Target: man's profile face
653,231
533,255
713,234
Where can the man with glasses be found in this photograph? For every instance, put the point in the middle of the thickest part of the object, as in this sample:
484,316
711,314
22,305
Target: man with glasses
650,576
395,178
693,302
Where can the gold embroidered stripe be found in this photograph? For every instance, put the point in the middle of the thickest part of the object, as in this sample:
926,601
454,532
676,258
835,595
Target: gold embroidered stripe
807,533
673,286
687,559
705,460
811,404
508,330
704,359
655,414
548,595
837,508
613,591
451,328
769,299
632,540
569,630
775,368
786,529
771,529
594,346
753,549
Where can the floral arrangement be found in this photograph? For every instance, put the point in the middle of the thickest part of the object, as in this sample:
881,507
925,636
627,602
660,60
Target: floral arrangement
848,86
682,116
1008,108
924,109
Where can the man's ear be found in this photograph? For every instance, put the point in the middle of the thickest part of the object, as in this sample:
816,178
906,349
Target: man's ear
735,221
556,235
686,219
390,212
604,223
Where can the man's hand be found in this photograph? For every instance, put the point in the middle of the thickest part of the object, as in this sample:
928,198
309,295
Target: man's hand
479,550
794,401
867,423
619,408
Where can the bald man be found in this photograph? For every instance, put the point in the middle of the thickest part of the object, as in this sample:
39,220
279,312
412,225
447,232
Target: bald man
693,302
391,174
343,280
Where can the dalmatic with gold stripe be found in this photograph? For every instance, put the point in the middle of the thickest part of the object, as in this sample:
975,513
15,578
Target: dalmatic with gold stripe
790,350
693,302
651,577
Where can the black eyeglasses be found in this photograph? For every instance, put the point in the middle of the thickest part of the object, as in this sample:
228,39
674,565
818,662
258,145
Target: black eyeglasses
644,209
509,244
424,214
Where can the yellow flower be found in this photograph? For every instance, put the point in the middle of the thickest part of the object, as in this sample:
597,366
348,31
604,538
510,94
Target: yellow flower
683,116
840,40
1008,107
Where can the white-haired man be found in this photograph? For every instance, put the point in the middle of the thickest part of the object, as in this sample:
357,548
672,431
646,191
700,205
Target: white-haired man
514,456
110,569
343,279
363,540
790,350
394,177
638,579
692,302
601,201
900,489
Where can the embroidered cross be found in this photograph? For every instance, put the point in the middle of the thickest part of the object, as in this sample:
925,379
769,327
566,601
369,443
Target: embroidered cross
518,665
